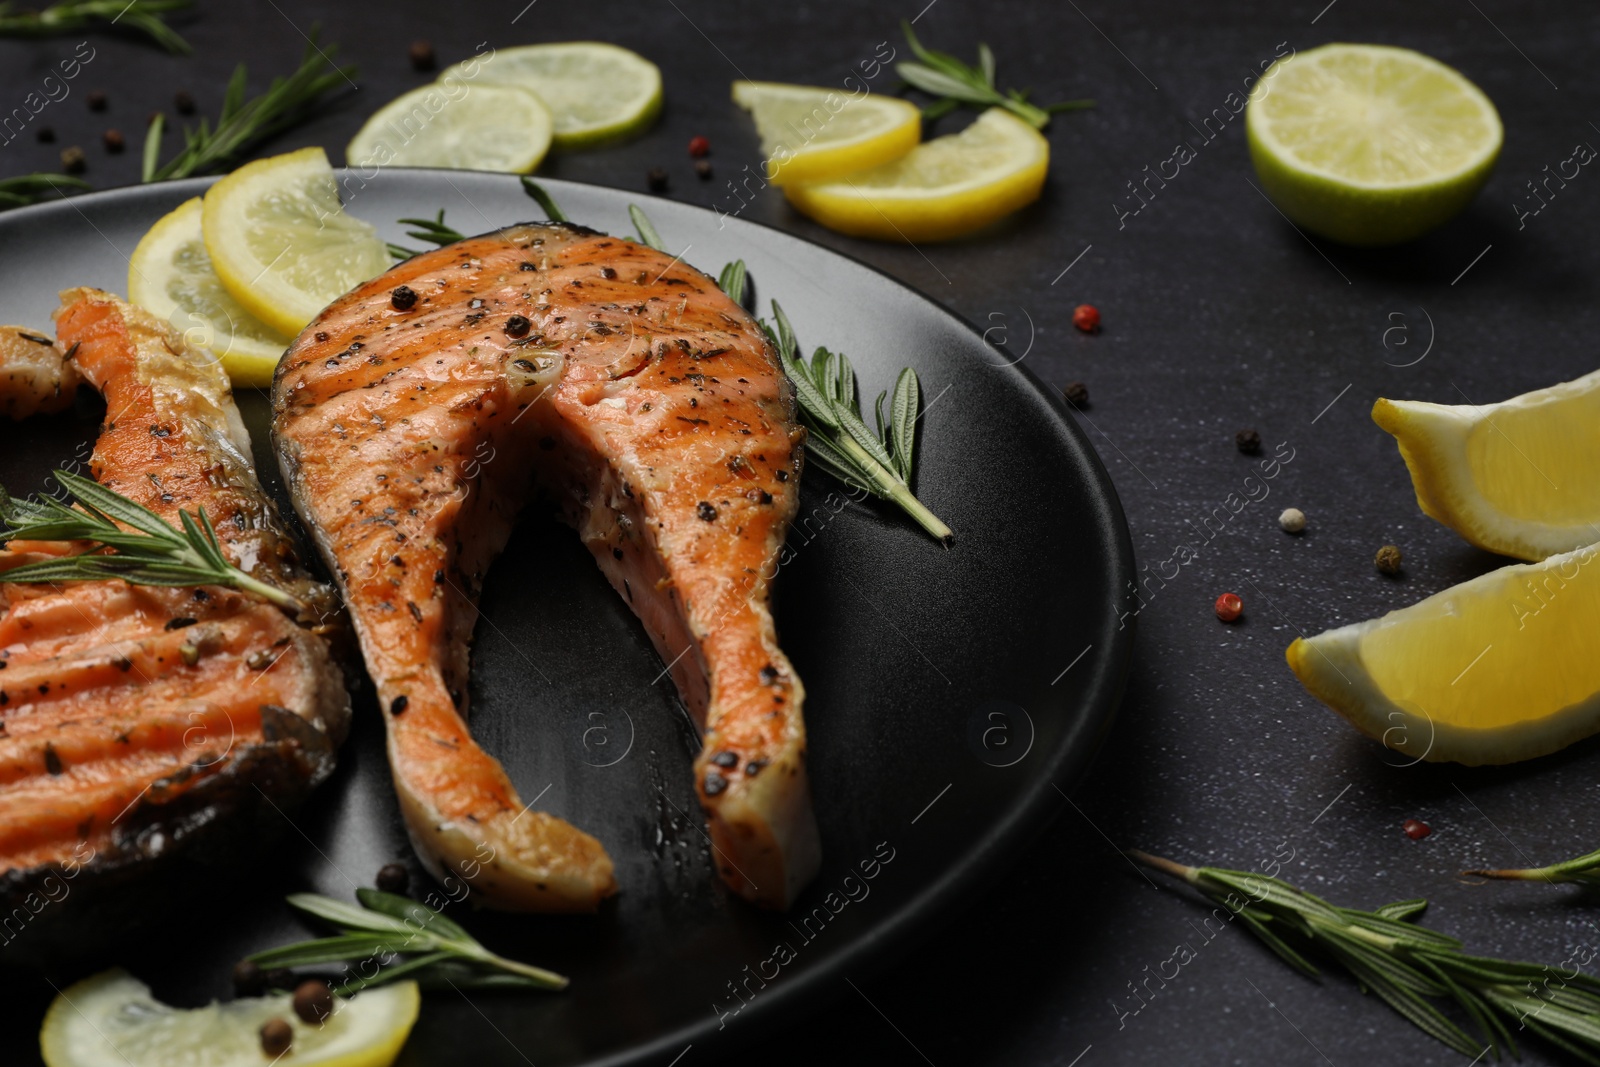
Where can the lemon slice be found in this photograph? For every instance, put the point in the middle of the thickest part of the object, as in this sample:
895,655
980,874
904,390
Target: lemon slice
170,276
111,1020
1521,477
596,92
1498,669
280,242
1368,144
810,134
450,124
943,188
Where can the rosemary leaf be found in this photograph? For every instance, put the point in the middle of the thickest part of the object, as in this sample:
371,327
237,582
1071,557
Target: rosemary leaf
546,201
647,231
1583,870
73,15
955,83
733,280
27,189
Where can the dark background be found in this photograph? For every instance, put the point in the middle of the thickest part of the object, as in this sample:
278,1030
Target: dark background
1218,316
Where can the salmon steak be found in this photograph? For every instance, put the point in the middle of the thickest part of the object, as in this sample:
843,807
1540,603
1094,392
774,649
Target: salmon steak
416,416
136,720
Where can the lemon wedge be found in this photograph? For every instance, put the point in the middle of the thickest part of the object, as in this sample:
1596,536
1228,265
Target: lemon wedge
1368,144
281,243
170,276
1494,670
943,188
1521,477
450,124
811,134
111,1020
597,93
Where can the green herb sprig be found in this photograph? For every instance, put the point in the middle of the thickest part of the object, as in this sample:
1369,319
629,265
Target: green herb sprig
433,230
28,189
1409,966
244,123
957,84
386,927
546,201
151,553
839,441
141,15
1582,870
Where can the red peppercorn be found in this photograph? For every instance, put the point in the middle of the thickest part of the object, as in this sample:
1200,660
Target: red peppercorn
1229,607
1086,317
699,147
1416,829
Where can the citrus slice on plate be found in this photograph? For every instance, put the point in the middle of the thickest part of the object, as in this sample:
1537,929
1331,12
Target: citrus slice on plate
281,243
111,1020
170,276
1368,144
1494,670
943,188
1521,477
450,124
596,92
810,134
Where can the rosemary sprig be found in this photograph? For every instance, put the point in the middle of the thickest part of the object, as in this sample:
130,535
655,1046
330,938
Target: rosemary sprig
546,201
1583,870
733,281
647,230
28,189
152,552
387,926
433,230
956,83
141,15
244,123
839,442
1409,966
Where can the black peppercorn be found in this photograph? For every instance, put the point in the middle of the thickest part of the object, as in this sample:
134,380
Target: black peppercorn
113,141
276,1037
404,298
706,511
313,1001
1388,559
183,102
421,55
518,326
46,135
715,783
398,705
702,168
1248,441
97,100
656,180
1077,394
394,878
73,161
248,979
726,758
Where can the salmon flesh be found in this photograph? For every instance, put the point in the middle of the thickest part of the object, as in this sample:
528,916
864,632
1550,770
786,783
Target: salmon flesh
136,720
419,412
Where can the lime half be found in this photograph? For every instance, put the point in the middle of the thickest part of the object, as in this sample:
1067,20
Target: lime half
453,124
596,92
1368,144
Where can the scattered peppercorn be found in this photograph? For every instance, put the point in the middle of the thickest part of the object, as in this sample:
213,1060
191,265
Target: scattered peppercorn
280,978
656,179
1248,442
46,135
97,100
1077,394
313,1000
183,102
398,705
726,758
404,298
248,979
702,169
706,511
518,326
1388,559
394,878
276,1037
1293,520
1229,607
715,783
73,161
1416,829
422,55
1086,317
113,141
699,147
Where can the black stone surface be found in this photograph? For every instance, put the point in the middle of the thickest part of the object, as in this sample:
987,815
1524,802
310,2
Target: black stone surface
1218,316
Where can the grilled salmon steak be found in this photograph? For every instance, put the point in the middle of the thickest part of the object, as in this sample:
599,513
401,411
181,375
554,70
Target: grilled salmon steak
414,417
135,720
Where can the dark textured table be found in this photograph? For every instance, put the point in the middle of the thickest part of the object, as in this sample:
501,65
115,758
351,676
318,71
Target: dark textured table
1218,316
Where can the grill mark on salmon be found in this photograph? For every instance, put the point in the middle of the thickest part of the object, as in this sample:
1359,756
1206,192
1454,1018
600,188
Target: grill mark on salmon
651,407
137,721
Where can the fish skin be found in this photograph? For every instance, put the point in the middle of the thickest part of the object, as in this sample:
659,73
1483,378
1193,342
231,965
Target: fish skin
652,408
138,723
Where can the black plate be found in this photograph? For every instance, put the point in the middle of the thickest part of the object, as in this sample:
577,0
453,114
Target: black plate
952,693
